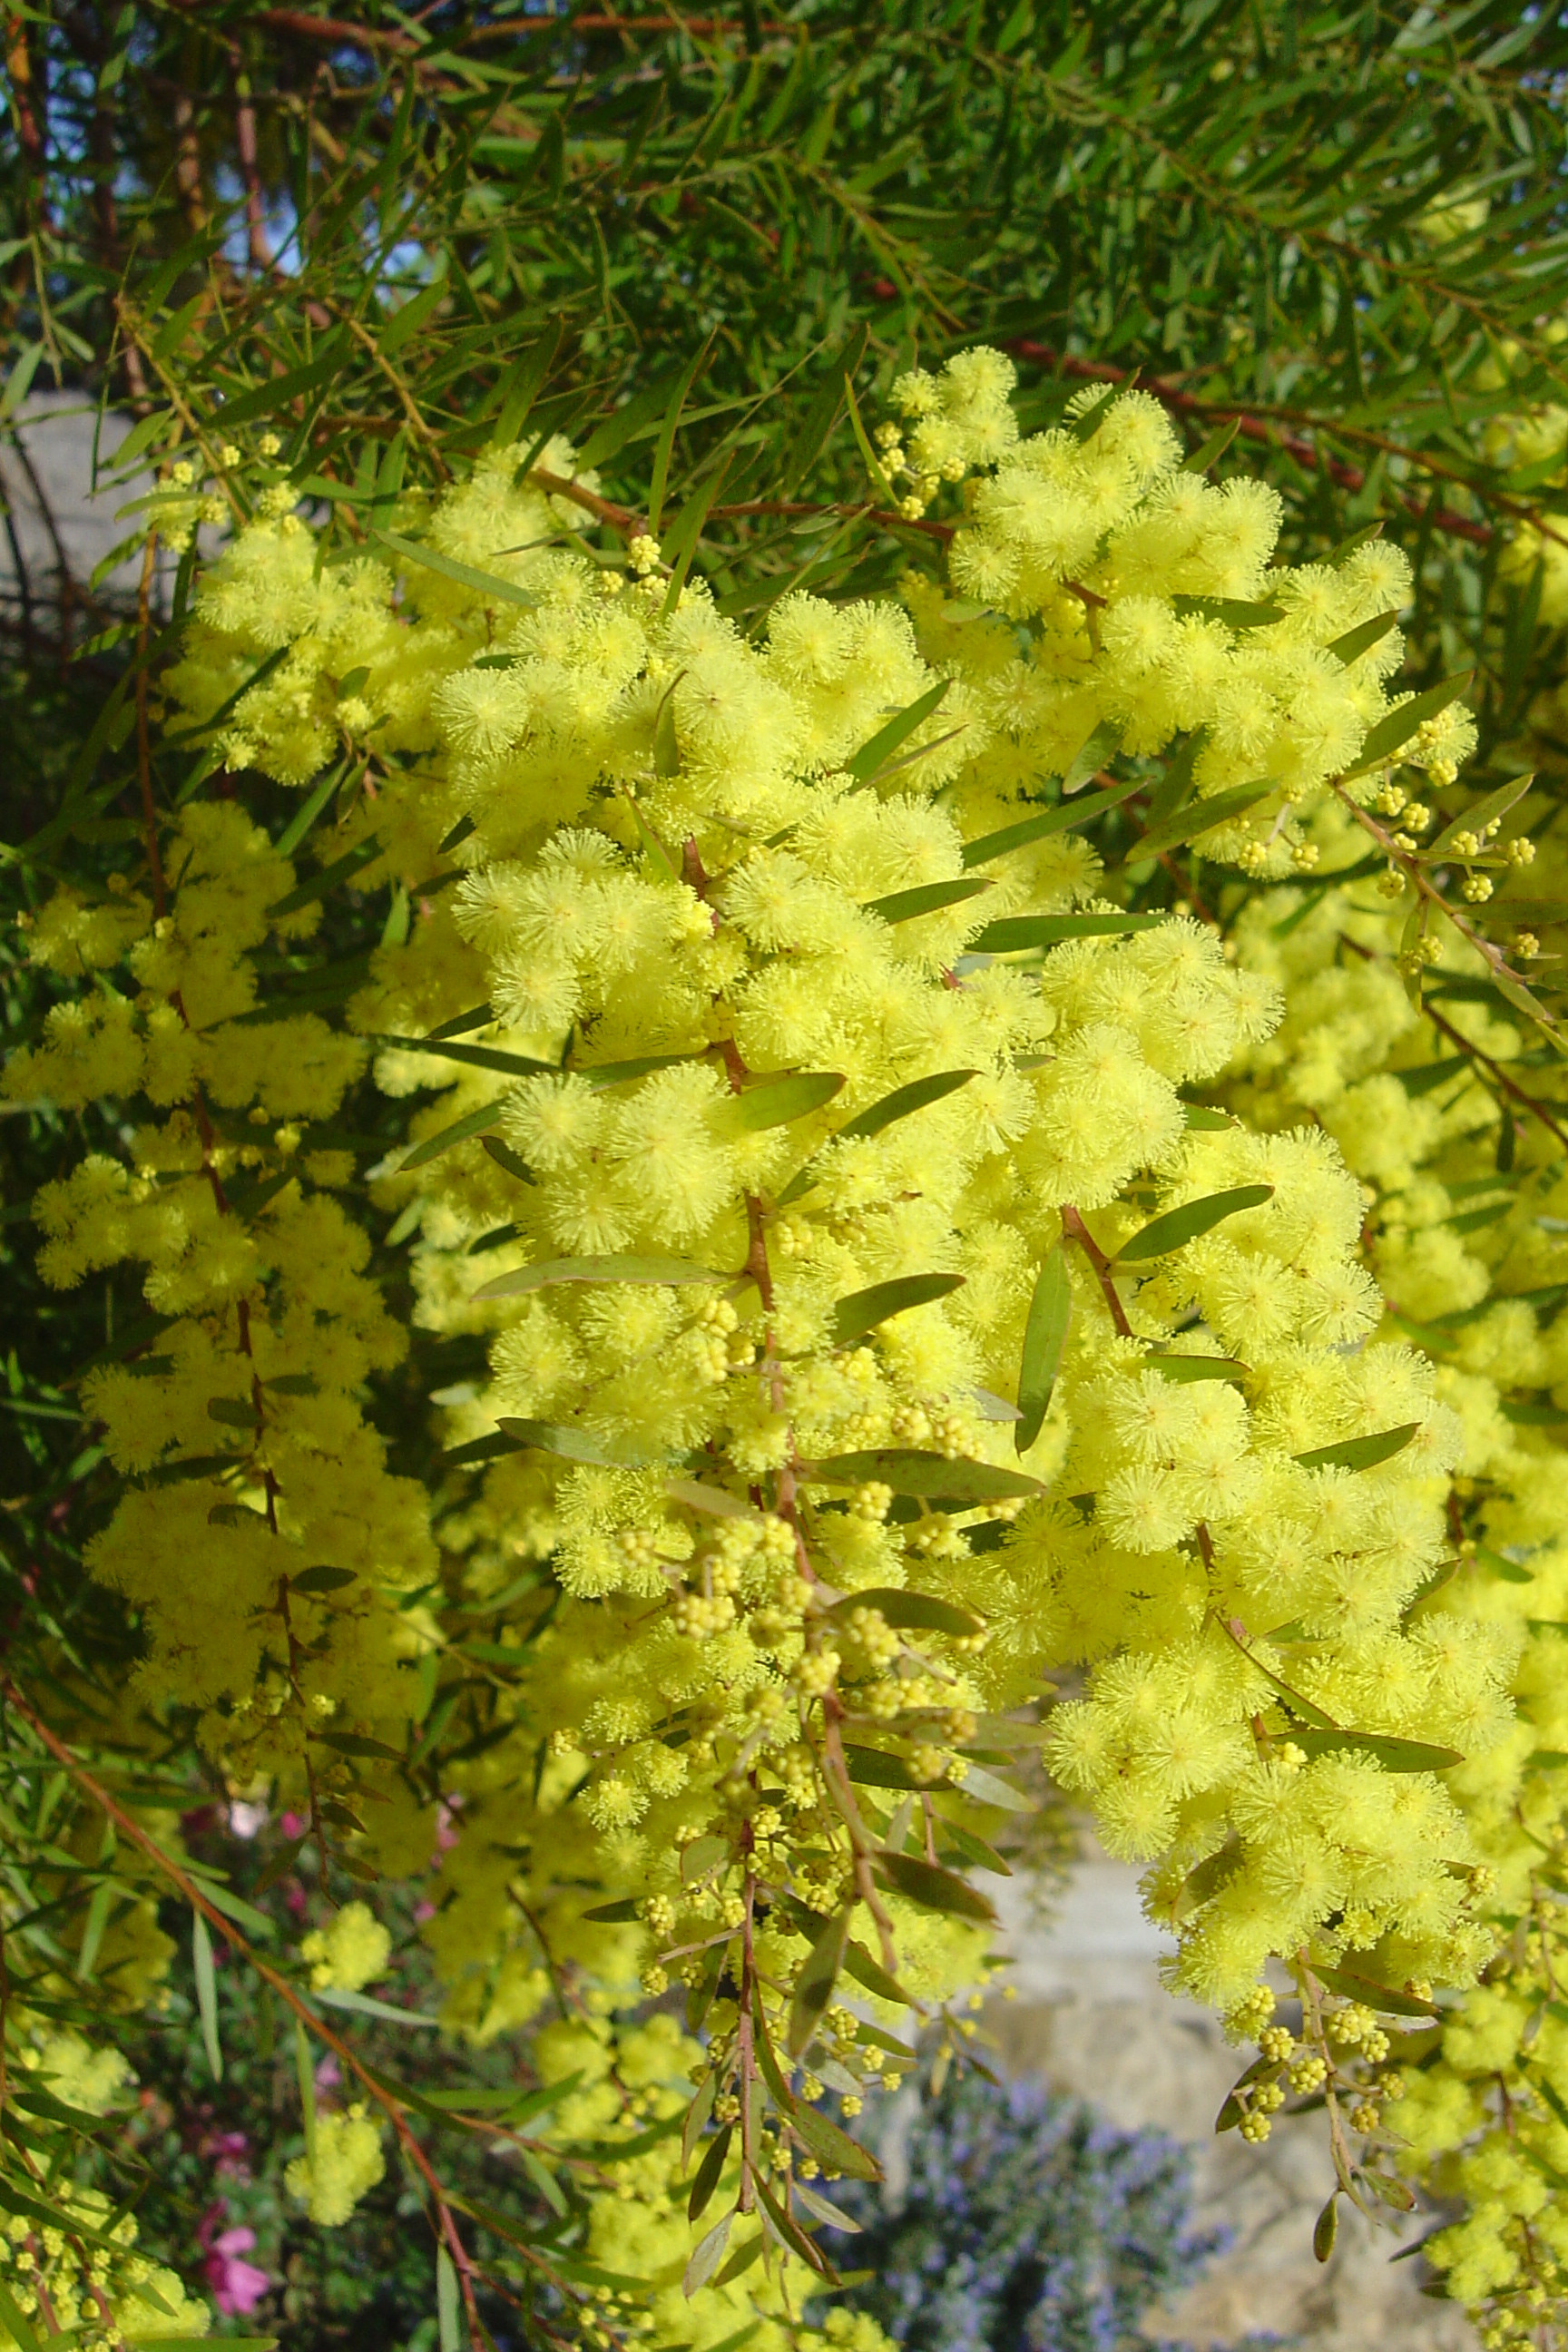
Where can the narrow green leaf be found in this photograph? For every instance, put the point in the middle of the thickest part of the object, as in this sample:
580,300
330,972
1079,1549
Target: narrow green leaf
870,1973
549,1271
933,1888
1199,816
861,1310
1361,1452
901,1104
821,416
814,1985
1235,612
708,2172
364,2004
930,898
449,2327
1394,1755
411,315
776,1101
697,2115
989,1789
900,1608
887,740
268,398
1045,1337
834,2149
708,2256
571,1444
1393,732
614,1914
305,2075
340,870
431,559
1082,810
19,2326
355,1743
879,1767
206,1992
523,387
1016,932
1478,817
686,530
1209,453
476,1123
1194,1367
478,1057
822,2209
1178,1226
909,1471
1356,642
1092,754
1373,1995
665,447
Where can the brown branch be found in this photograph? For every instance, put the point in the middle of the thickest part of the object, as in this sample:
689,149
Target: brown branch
629,523
1074,1226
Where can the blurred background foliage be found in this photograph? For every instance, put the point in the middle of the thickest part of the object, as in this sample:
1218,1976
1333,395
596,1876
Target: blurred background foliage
1334,232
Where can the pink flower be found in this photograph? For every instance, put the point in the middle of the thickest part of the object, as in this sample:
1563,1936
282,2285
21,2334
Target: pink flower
293,1826
237,2286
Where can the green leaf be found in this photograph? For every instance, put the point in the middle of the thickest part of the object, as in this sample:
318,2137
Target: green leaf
989,1789
1358,641
777,1101
364,2004
1016,932
321,1580
206,1992
887,740
861,1310
708,2256
553,1270
879,1767
478,1058
1045,1337
1373,1995
1326,2228
903,1101
1476,818
18,2326
1194,1367
822,2209
614,1914
232,1414
900,1608
1235,612
1082,810
814,1985
1091,755
933,1888
821,416
1199,816
1395,730
1362,1453
907,906
404,325
342,870
834,2149
572,1444
708,2173
1394,1755
909,1471
1209,453
431,559
459,1131
680,539
665,445
355,1743
448,2326
268,398
870,1973
1178,1226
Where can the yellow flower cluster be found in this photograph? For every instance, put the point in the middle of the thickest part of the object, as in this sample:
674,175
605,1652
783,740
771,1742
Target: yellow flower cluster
874,1323
1468,1246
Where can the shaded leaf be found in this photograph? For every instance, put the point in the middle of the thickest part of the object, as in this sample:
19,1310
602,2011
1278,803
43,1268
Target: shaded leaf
708,2173
814,1985
525,1278
206,1992
912,1609
1178,1226
1394,1755
1391,733
909,1471
1373,1995
1199,816
934,1889
1013,933
1082,810
1045,1337
431,559
861,1310
708,2256
776,1101
1362,1453
1360,640
834,2149
929,898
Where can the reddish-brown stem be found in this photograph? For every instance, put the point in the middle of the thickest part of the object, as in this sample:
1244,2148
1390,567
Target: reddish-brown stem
1073,1225
143,731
